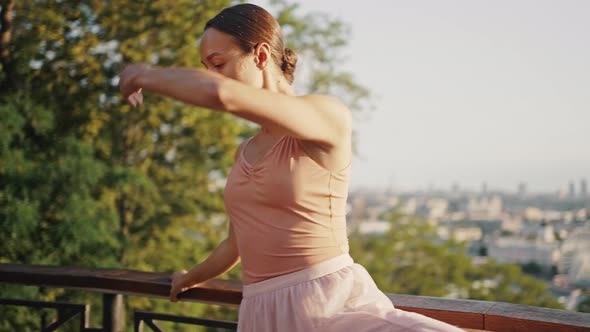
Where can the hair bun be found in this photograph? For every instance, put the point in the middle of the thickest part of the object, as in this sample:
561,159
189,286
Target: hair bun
289,63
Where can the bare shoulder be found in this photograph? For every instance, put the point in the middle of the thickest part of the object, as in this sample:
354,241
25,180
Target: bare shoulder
338,119
324,101
333,109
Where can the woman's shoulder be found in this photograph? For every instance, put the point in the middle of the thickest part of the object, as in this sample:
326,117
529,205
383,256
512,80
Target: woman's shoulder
326,101
332,111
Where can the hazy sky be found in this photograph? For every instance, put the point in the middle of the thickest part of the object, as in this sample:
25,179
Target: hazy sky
470,91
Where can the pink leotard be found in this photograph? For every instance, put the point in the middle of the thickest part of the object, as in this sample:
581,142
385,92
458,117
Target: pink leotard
287,212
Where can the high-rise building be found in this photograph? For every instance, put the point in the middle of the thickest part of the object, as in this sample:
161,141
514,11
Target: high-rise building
455,188
522,189
572,189
583,188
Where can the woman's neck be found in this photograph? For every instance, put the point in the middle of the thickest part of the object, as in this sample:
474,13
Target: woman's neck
285,87
277,82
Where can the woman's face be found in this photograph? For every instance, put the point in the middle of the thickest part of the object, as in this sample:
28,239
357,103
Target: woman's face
222,54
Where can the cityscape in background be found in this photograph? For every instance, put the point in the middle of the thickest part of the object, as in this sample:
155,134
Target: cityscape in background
547,234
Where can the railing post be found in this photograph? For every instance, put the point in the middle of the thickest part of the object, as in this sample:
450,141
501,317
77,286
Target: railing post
138,323
84,323
43,319
112,313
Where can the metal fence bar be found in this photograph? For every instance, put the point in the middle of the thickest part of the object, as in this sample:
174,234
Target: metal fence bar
137,323
62,318
148,316
65,312
153,325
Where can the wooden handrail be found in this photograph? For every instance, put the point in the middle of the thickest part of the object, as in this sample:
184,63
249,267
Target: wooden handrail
491,316
494,316
118,281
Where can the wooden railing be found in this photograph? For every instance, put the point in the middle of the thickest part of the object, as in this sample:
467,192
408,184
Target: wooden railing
481,315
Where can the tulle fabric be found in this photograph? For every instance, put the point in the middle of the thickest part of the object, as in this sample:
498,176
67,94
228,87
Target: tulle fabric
335,295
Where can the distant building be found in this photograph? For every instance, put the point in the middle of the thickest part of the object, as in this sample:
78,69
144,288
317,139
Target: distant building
460,233
572,189
546,234
520,251
511,224
455,188
575,257
582,214
522,189
533,213
374,227
490,206
487,226
437,208
409,206
539,231
583,188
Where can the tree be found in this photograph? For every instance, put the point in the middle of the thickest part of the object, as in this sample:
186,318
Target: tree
84,179
532,268
584,305
409,259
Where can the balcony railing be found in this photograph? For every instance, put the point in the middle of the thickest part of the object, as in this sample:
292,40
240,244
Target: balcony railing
113,283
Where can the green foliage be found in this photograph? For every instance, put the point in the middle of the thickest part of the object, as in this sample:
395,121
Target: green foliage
584,305
87,181
531,268
410,260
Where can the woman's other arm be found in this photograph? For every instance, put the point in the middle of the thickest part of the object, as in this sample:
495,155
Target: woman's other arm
221,260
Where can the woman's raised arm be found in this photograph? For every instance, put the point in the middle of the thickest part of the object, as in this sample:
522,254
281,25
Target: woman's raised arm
313,118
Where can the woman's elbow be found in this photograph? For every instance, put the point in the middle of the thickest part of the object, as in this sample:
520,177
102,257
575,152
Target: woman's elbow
225,95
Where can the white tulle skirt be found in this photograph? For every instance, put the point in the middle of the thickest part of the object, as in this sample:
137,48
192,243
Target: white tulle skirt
335,295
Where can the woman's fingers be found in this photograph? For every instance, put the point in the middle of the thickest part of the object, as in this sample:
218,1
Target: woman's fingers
131,100
174,292
139,96
135,99
176,286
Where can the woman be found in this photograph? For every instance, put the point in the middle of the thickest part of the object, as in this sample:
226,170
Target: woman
286,193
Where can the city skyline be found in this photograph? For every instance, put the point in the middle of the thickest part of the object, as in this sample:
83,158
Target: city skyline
572,189
468,92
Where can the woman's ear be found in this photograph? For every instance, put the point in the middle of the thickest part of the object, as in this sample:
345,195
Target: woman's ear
262,55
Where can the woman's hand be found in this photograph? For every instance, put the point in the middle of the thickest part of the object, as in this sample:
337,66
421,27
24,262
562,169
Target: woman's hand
128,83
178,285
